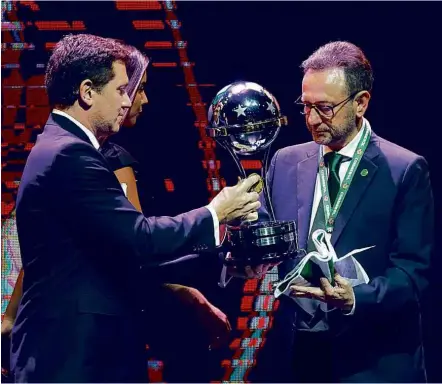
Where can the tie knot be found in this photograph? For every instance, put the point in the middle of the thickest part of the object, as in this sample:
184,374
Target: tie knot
333,159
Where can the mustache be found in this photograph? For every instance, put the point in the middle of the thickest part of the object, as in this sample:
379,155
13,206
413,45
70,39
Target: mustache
320,129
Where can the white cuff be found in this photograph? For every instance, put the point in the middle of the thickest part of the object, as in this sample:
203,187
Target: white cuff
354,307
124,188
215,224
222,278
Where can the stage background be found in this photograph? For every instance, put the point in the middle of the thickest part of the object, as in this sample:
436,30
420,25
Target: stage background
197,48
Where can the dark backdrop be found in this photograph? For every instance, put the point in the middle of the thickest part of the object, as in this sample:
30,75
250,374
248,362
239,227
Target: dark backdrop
264,42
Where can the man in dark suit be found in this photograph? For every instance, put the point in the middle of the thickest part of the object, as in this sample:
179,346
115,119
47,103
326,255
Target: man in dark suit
82,242
372,332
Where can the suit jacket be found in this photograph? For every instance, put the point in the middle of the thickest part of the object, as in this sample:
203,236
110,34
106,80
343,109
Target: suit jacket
392,208
82,245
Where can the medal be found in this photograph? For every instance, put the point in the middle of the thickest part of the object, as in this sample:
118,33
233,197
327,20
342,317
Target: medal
257,187
329,211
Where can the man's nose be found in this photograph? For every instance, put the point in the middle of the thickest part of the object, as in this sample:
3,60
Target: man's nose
313,117
126,101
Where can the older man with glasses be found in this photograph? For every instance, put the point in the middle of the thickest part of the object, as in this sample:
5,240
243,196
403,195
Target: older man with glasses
363,191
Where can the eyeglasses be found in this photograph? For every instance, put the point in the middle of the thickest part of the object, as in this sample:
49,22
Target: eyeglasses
324,110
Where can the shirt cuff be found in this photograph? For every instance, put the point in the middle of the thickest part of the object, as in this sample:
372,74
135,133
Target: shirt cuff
354,306
215,224
124,188
222,278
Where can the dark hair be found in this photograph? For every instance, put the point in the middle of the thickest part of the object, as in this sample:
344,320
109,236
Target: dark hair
79,57
345,55
136,66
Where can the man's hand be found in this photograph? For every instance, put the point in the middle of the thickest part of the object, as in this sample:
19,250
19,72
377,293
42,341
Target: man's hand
7,325
236,202
249,272
211,320
340,296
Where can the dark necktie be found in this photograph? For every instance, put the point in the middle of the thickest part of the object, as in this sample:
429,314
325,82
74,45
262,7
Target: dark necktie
333,161
318,322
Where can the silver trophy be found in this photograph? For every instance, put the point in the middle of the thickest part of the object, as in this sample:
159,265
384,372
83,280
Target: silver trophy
244,118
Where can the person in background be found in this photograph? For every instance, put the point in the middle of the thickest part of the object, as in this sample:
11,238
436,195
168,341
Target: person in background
201,323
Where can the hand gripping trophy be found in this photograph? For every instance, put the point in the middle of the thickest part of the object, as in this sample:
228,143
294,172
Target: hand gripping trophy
244,118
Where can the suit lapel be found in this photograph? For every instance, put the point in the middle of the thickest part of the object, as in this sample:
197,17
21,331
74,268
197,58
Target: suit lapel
364,175
69,126
306,180
74,129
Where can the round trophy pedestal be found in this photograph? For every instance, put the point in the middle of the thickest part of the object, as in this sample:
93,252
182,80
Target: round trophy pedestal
261,243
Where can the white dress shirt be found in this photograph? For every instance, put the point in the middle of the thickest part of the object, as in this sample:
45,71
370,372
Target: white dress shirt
88,132
96,145
348,151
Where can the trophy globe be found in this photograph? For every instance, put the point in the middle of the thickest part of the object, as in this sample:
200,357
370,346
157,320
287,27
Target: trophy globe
245,119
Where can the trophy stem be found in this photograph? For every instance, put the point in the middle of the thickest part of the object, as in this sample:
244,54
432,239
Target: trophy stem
237,161
266,191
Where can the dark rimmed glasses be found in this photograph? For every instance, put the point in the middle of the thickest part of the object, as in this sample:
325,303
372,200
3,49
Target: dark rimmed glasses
327,111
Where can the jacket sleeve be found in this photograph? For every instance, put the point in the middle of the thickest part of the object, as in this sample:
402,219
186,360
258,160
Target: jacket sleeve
406,278
99,211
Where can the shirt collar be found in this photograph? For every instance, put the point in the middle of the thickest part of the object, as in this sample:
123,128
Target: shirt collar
89,134
350,149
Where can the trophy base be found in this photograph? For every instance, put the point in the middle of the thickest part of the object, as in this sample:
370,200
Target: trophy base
261,243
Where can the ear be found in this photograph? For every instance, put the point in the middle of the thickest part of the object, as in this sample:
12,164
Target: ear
86,92
362,99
